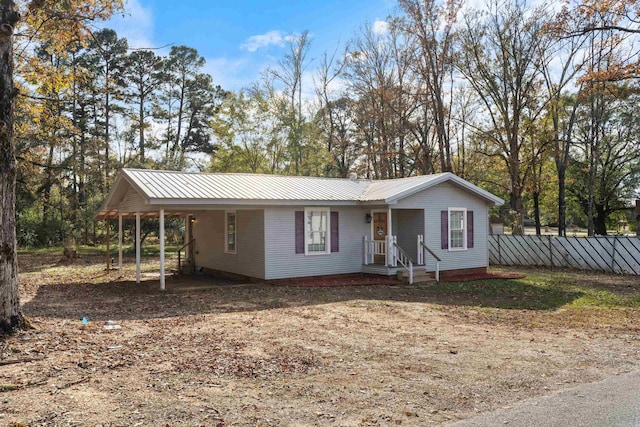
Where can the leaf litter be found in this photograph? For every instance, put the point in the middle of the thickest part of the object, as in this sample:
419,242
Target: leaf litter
219,353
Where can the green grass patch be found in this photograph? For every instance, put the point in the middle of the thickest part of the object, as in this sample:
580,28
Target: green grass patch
506,294
540,290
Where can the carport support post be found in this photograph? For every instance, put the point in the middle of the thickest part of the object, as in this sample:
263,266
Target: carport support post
162,249
137,247
108,241
187,233
120,244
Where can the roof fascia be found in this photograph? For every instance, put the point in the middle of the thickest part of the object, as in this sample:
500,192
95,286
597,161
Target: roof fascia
135,184
250,202
123,175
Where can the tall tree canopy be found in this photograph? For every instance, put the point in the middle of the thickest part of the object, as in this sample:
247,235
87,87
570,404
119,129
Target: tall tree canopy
60,24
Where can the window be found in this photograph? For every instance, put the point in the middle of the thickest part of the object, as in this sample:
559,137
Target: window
317,239
230,227
301,231
457,234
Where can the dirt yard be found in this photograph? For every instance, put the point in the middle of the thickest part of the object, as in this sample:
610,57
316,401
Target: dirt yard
207,353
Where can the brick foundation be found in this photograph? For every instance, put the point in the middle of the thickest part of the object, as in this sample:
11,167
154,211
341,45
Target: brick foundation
462,272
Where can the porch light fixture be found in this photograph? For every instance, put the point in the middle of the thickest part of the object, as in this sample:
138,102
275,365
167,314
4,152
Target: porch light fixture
367,218
192,219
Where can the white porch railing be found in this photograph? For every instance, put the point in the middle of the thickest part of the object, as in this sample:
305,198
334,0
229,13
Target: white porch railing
373,248
393,254
421,250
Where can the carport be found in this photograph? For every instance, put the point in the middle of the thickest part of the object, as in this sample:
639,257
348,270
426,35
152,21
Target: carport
128,200
108,215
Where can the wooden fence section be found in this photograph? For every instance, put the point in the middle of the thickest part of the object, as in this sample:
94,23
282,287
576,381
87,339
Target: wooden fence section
607,253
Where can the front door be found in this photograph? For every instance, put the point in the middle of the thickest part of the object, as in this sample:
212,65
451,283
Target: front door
380,225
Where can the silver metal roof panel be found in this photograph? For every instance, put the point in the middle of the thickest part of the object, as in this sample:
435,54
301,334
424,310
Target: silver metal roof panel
204,189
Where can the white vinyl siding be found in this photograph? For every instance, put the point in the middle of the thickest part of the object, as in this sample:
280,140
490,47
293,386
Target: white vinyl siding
441,198
457,229
209,232
132,201
317,235
281,260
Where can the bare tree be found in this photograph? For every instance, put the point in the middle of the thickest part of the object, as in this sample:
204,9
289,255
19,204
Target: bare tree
290,72
431,25
335,117
561,61
380,81
498,58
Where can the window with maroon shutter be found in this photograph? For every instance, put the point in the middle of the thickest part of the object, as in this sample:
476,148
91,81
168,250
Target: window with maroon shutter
315,229
299,232
335,235
469,229
444,229
456,229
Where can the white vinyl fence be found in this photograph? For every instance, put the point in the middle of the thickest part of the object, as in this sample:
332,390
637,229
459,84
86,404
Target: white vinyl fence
606,253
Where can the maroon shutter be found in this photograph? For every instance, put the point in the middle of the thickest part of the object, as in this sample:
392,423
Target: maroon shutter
444,229
469,229
299,232
335,236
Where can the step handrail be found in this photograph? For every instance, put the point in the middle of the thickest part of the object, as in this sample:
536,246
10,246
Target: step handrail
179,258
421,248
433,254
404,259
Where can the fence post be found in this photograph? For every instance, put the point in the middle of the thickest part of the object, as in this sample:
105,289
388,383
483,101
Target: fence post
613,254
499,253
550,252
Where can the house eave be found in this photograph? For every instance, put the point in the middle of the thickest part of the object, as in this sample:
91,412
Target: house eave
497,201
246,202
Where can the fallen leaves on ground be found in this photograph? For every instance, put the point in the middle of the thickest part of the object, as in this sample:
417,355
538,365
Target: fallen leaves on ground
220,353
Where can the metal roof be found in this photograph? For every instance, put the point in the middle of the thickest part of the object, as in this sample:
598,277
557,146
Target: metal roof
388,188
182,188
213,186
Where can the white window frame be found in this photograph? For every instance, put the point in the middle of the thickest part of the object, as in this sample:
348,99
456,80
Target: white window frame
307,231
226,232
464,229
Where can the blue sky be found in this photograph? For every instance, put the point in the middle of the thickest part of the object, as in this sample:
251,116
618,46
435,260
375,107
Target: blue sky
240,38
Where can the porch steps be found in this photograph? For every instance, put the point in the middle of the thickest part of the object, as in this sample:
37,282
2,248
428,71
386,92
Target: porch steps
419,276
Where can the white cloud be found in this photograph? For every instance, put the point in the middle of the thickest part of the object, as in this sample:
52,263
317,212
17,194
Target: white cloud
271,38
380,27
135,24
230,74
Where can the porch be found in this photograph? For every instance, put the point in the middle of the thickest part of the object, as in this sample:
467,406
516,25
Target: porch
385,257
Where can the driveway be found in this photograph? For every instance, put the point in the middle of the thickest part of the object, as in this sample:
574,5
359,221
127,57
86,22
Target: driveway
612,402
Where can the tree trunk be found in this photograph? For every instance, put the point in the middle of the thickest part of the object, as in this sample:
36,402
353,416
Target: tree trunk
536,212
141,130
11,317
562,202
600,220
47,185
107,113
516,192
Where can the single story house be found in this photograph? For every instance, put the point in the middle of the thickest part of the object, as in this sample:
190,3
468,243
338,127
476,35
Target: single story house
275,227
